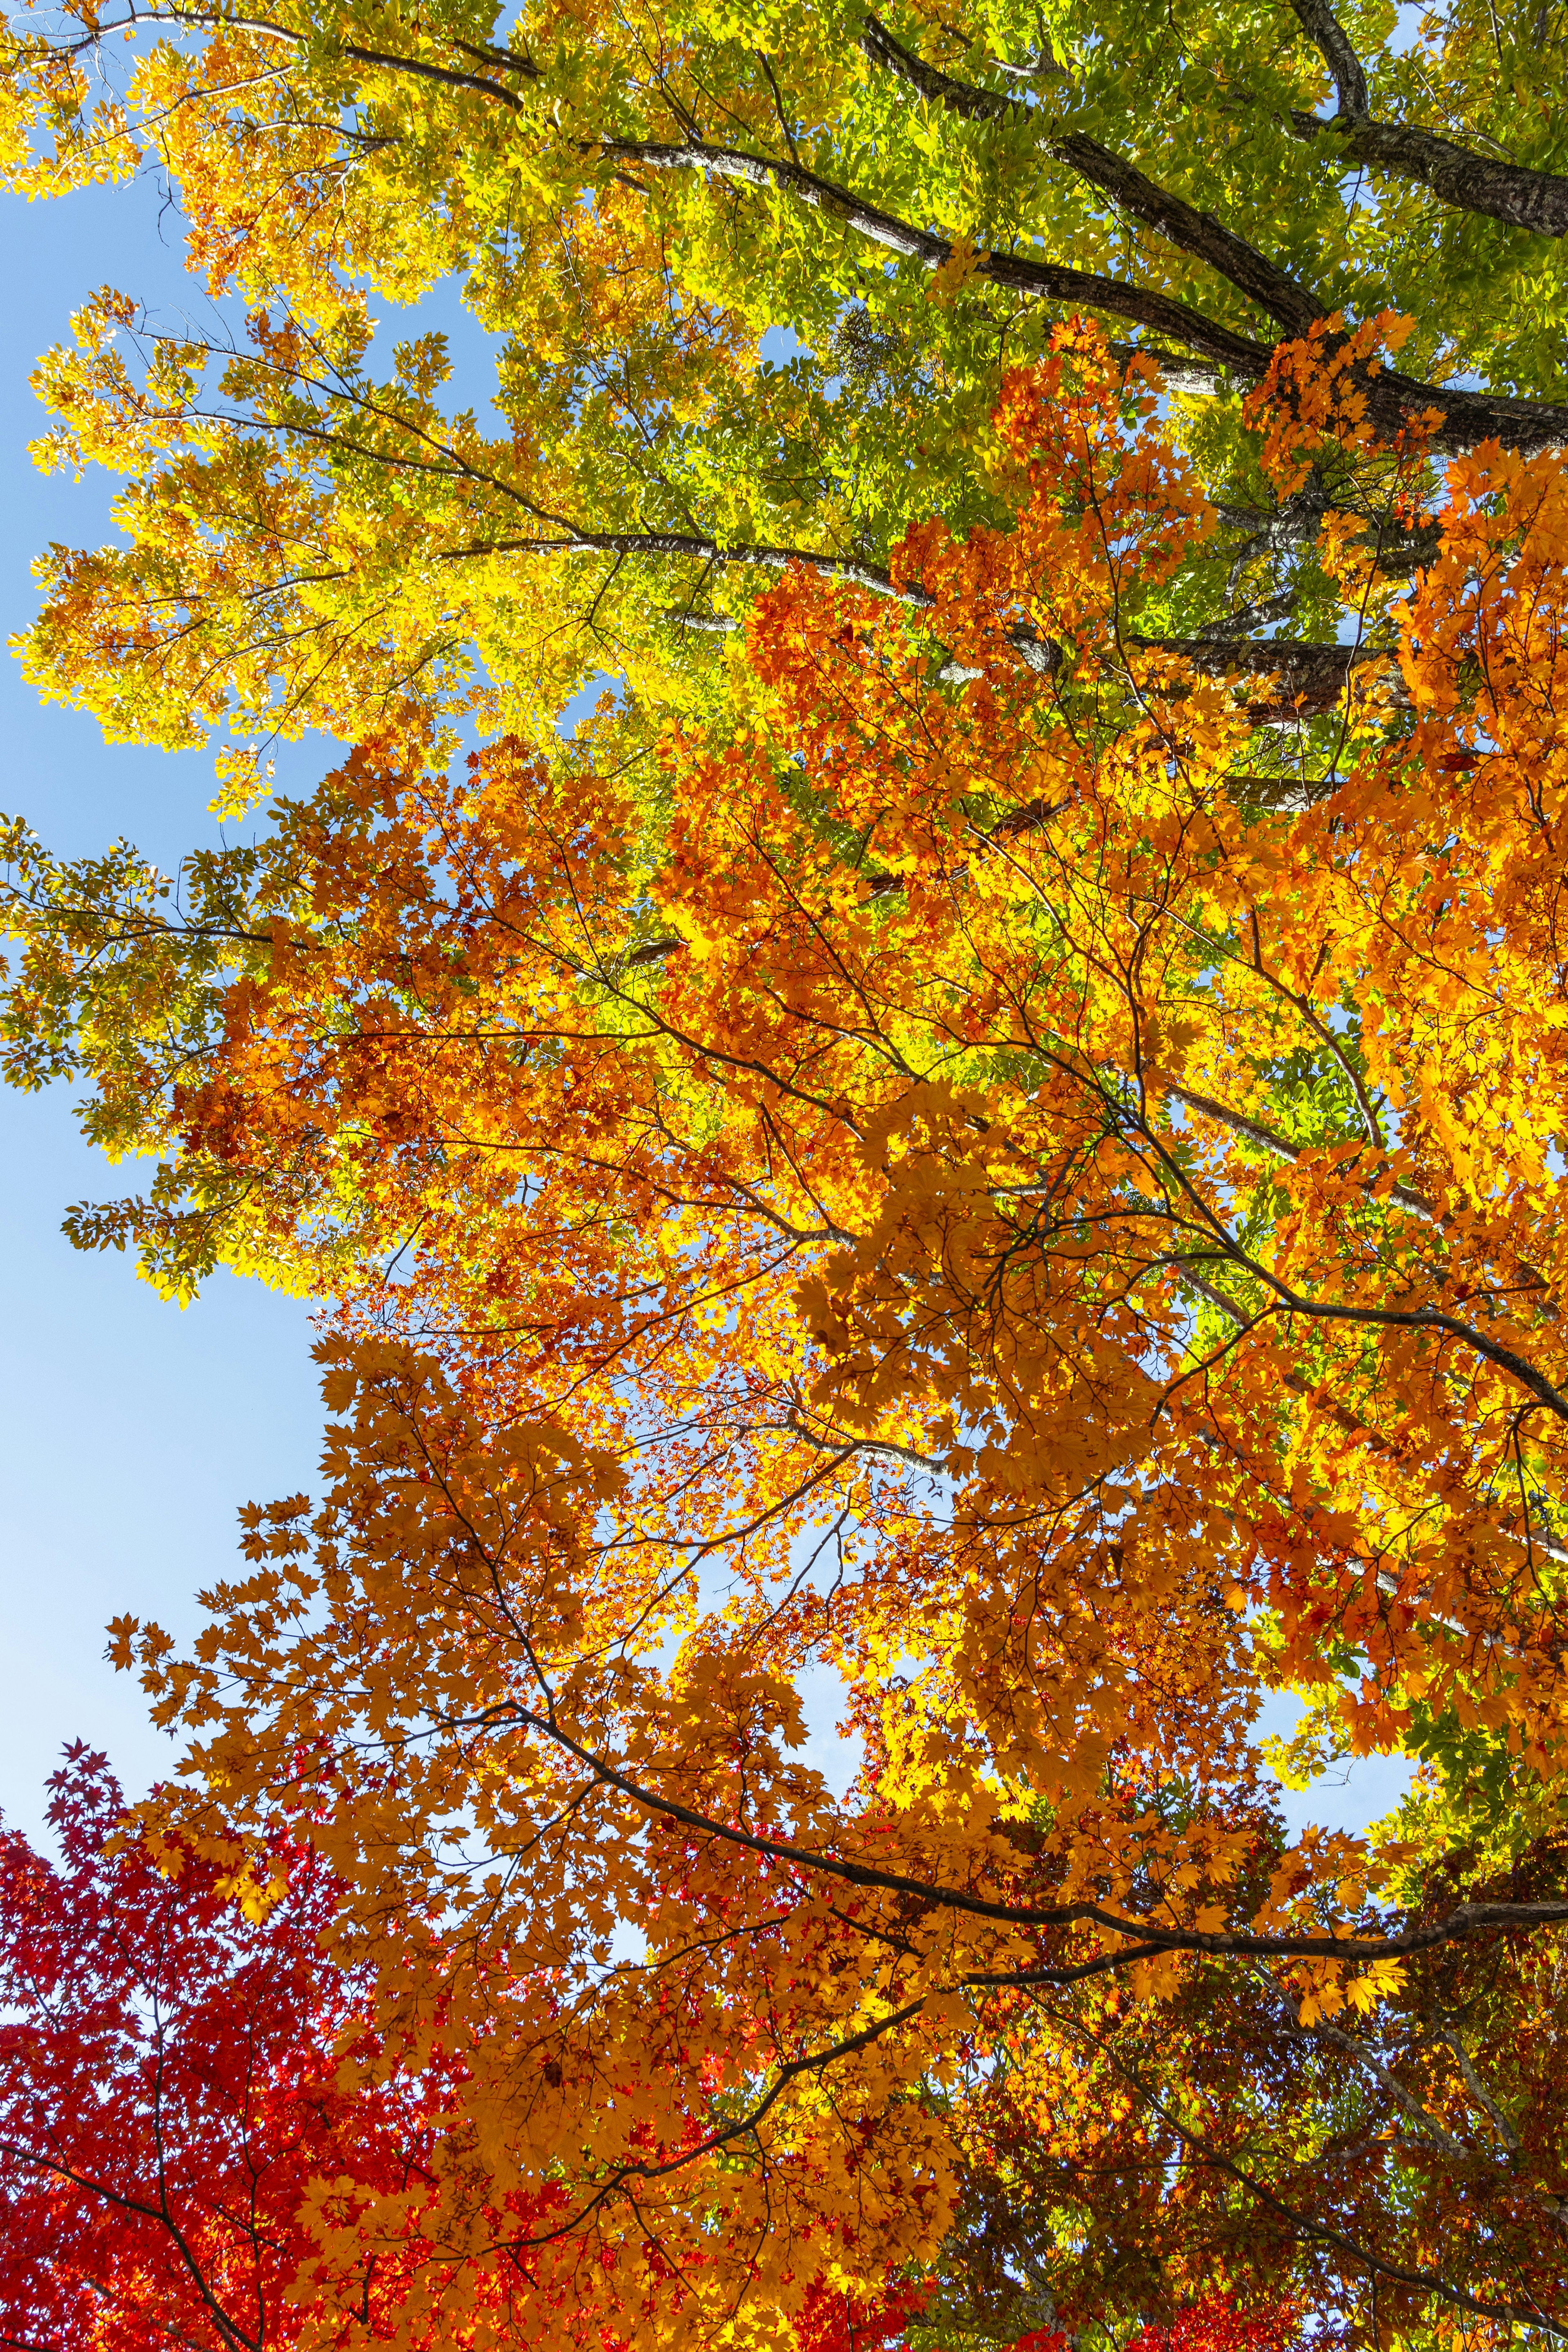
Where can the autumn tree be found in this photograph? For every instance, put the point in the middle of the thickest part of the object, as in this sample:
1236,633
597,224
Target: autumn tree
987,1139
174,2145
628,199
1000,1196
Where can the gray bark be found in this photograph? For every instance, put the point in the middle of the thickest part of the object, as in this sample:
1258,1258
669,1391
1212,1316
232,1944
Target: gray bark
1507,192
1510,193
1130,190
1049,281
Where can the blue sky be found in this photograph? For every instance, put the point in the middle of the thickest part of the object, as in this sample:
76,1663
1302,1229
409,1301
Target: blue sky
130,1432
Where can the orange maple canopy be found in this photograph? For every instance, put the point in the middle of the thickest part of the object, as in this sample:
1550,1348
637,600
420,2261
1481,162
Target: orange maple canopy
1018,1169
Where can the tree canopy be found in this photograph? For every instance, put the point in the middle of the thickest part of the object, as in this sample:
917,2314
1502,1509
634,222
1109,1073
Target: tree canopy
981,1147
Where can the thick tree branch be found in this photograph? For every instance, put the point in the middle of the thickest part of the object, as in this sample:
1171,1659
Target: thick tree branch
1307,680
1323,27
1510,193
1506,191
1179,223
1049,281
1395,403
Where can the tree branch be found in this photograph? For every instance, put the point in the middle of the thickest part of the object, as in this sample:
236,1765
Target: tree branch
1049,281
1323,27
1510,193
1466,1919
1179,223
1204,2152
1395,403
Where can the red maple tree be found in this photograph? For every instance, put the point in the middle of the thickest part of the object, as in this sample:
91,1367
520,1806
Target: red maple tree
169,2111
